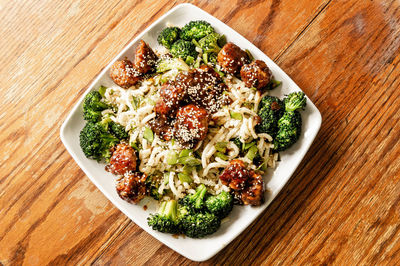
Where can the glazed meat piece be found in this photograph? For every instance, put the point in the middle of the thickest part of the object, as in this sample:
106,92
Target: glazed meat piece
191,125
235,175
122,160
172,96
204,87
256,74
247,185
162,127
132,187
231,58
253,194
145,58
124,74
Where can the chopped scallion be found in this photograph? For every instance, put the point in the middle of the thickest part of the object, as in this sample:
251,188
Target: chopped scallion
237,116
148,134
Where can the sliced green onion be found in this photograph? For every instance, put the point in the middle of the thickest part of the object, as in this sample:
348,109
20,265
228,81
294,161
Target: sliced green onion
251,154
274,83
172,158
102,90
189,160
248,145
237,116
251,57
136,102
221,146
148,134
185,178
221,155
187,170
166,178
185,152
254,88
133,145
222,74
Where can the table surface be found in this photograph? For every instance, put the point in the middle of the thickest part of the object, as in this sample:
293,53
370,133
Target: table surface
340,207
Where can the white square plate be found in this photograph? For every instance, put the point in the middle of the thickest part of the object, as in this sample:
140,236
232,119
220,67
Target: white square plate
241,216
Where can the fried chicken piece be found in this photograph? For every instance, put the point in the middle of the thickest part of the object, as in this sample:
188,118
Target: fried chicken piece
247,185
122,160
256,74
191,125
124,74
231,58
145,58
132,187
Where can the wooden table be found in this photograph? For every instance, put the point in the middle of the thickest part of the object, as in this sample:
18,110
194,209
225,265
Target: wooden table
342,206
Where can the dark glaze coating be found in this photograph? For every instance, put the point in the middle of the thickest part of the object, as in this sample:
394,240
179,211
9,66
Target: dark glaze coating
231,58
122,160
191,125
145,58
256,74
132,187
247,185
124,74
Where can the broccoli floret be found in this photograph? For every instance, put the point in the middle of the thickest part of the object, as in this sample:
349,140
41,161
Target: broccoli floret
168,36
184,49
172,63
96,141
295,101
166,220
220,205
198,225
289,130
195,202
270,111
118,130
196,30
152,188
289,125
209,44
92,106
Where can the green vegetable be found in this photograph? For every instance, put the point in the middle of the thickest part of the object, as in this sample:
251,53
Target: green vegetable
148,134
209,43
220,205
185,152
171,63
166,220
189,160
251,154
152,188
136,101
221,155
248,145
289,125
197,225
274,84
221,146
172,158
92,106
251,57
95,141
168,36
270,111
195,202
237,116
184,178
222,74
196,30
117,130
183,49
102,91
222,40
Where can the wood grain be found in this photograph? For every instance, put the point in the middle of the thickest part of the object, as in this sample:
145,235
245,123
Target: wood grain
340,207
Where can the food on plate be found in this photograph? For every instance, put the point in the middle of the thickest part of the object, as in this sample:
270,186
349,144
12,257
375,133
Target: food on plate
256,74
231,58
190,124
